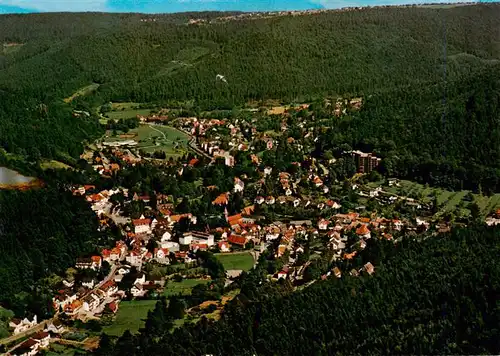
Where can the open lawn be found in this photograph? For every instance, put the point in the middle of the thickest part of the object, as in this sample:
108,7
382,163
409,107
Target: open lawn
238,261
152,138
184,287
52,164
127,110
83,91
130,316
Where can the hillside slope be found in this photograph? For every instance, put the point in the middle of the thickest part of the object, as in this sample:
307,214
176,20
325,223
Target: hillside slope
379,51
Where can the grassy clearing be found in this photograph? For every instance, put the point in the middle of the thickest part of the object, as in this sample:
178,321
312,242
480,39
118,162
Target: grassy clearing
184,287
52,164
239,261
130,316
83,91
449,200
128,110
10,48
159,138
127,114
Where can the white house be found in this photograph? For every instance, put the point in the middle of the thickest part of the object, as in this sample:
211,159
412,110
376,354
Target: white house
336,205
196,237
141,279
91,302
171,246
89,283
323,224
134,258
259,200
282,274
28,348
142,226
239,186
166,236
55,327
268,170
43,339
137,290
224,246
162,253
22,325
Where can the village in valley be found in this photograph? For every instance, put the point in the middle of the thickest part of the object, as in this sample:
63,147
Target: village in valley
177,193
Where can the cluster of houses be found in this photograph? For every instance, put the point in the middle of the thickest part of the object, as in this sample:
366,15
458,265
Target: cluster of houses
39,341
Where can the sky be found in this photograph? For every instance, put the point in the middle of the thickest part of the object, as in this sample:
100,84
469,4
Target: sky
169,6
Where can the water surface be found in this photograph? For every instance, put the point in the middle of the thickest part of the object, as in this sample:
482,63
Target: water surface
10,177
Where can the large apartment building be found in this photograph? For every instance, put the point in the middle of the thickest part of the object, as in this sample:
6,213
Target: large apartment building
365,162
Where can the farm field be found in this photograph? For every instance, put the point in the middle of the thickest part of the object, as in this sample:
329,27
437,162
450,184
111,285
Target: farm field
152,138
237,261
130,316
184,287
448,199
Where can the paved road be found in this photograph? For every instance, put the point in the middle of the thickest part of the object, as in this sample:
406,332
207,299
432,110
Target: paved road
33,330
164,137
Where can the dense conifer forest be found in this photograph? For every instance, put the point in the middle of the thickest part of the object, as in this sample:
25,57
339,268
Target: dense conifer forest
42,232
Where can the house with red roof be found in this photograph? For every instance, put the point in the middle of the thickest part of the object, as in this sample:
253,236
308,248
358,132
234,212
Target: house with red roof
142,226
28,348
43,339
237,240
222,199
323,224
363,232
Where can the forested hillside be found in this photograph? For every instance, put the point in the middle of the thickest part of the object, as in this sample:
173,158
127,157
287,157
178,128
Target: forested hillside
380,51
42,232
439,296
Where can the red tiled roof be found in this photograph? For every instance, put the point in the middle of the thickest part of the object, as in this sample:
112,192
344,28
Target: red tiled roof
362,230
237,240
28,344
221,199
40,335
113,306
248,210
141,222
234,219
95,197
350,256
106,252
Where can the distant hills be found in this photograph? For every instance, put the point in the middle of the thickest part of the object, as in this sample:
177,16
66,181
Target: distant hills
162,58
